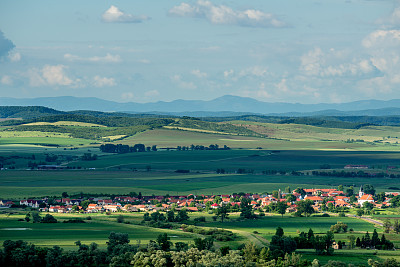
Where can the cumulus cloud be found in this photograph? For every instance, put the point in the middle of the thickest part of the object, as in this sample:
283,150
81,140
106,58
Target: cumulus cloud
109,58
5,45
382,38
103,81
51,76
183,84
114,14
221,14
392,20
6,80
14,57
334,63
199,74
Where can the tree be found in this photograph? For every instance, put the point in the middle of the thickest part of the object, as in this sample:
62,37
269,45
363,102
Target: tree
246,209
396,226
340,188
181,246
369,189
182,216
375,239
49,219
55,257
170,216
250,252
339,228
222,212
115,239
323,244
290,198
380,197
163,242
306,207
120,219
85,204
349,191
64,194
279,231
358,242
281,207
204,244
368,206
352,240
300,190
36,217
387,226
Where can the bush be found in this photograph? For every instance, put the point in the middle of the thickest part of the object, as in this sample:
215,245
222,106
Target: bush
74,221
120,219
200,219
49,219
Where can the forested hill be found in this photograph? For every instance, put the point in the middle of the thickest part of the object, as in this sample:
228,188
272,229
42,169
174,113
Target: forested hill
32,114
345,122
19,112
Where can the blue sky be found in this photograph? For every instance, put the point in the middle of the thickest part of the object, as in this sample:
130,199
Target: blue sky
145,51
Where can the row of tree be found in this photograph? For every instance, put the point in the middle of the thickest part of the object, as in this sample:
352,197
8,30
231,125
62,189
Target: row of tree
119,148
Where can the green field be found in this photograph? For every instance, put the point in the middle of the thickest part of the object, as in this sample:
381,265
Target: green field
285,137
66,234
24,184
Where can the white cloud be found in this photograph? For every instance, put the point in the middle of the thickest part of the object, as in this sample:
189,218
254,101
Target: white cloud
109,58
256,71
51,76
103,81
333,63
55,75
14,57
282,87
382,38
182,84
221,14
152,93
114,14
127,96
394,18
6,80
228,73
199,74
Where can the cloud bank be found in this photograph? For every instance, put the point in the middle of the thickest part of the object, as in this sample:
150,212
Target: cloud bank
221,14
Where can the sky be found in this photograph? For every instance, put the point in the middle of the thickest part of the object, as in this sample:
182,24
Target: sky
307,51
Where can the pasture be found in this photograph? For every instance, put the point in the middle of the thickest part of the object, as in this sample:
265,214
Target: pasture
280,136
66,234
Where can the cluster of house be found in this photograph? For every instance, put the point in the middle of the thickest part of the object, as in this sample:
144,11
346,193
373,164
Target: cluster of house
193,203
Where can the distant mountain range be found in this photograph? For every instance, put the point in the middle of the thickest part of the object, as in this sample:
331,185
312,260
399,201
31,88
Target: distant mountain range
222,106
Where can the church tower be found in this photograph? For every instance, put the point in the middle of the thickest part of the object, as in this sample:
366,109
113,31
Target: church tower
361,192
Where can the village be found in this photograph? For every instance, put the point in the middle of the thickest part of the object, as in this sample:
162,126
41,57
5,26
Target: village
322,200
